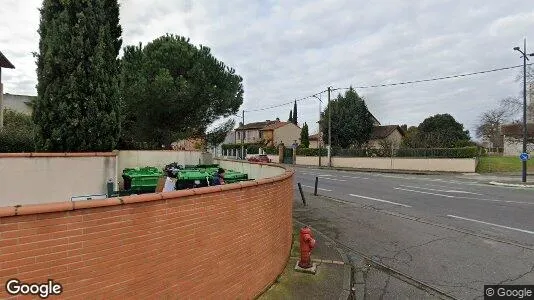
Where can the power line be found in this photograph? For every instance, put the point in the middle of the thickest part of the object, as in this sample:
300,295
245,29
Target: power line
287,103
389,84
433,79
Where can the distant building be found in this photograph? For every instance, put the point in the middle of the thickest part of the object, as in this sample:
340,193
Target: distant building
270,133
387,134
19,103
391,134
314,141
513,139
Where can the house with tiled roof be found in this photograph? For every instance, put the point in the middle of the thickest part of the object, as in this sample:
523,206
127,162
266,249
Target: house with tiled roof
381,135
270,133
512,135
386,134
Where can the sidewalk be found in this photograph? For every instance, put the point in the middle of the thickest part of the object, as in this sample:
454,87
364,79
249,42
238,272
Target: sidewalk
332,280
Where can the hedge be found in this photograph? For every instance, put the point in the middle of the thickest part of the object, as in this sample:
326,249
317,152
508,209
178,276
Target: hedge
311,152
16,140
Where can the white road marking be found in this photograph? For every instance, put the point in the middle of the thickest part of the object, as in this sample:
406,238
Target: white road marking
444,191
318,175
428,193
354,177
379,200
461,197
311,187
333,179
491,224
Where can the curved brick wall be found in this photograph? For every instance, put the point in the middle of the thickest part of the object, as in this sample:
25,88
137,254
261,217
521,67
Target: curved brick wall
219,243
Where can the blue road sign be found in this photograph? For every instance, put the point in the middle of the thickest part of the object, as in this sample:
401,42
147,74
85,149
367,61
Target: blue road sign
524,156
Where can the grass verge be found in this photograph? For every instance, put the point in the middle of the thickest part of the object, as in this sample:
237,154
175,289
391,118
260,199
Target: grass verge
501,164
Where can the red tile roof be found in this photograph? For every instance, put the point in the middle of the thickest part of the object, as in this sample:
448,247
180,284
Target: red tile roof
382,132
516,130
274,126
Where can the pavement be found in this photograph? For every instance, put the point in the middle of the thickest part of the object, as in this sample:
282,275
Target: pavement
332,278
423,236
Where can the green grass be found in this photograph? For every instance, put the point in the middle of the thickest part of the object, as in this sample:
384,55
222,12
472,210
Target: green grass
501,164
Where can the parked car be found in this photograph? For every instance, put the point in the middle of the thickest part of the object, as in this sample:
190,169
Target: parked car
259,158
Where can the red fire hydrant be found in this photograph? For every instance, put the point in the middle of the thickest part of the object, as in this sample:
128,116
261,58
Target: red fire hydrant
307,243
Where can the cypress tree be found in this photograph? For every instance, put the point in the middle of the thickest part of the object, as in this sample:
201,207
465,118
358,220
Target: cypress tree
77,107
305,136
290,116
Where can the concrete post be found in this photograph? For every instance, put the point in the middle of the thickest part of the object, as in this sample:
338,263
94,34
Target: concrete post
281,153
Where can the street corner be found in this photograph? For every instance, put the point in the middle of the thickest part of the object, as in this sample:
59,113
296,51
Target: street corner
512,184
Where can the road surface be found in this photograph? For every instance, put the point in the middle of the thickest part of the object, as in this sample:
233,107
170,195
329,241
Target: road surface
456,233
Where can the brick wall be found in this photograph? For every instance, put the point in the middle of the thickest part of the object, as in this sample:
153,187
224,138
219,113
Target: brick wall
210,243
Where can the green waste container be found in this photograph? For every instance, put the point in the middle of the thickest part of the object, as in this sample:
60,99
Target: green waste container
141,180
189,179
231,176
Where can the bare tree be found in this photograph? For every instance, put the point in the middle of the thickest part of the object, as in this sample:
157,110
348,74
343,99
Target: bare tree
489,125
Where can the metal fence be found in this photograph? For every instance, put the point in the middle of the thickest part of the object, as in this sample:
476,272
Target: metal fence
466,152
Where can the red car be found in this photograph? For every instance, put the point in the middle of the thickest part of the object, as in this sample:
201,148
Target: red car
259,158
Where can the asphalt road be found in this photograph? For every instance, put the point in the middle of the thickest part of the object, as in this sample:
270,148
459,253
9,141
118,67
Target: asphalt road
453,232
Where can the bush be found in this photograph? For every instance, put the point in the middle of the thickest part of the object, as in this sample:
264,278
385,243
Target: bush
14,141
17,135
271,150
311,152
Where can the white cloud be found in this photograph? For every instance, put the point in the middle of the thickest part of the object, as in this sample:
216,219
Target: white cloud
288,49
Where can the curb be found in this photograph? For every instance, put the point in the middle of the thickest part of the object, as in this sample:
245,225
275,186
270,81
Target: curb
407,172
347,269
512,184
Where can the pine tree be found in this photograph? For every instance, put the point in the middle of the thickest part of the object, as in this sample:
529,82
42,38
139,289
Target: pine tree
305,136
295,117
290,120
77,108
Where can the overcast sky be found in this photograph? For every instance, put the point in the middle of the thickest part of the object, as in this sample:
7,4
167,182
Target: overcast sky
289,49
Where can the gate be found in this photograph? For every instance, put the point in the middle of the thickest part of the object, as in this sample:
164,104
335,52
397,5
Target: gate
288,156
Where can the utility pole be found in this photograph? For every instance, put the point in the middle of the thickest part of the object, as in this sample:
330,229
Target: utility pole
243,137
319,134
525,131
329,130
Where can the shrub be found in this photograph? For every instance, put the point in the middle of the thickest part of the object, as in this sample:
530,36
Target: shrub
17,135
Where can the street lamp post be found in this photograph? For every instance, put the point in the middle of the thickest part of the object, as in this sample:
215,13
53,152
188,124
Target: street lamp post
525,132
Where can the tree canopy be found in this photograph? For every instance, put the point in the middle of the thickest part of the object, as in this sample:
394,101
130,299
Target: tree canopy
352,123
172,89
77,108
442,131
218,135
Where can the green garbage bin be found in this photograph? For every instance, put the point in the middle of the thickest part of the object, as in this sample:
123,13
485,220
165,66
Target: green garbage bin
141,180
189,179
231,176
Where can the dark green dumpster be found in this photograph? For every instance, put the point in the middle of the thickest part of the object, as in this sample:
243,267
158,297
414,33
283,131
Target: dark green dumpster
141,180
190,179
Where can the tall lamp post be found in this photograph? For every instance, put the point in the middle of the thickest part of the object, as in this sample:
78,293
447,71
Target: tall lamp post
525,132
319,135
4,63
